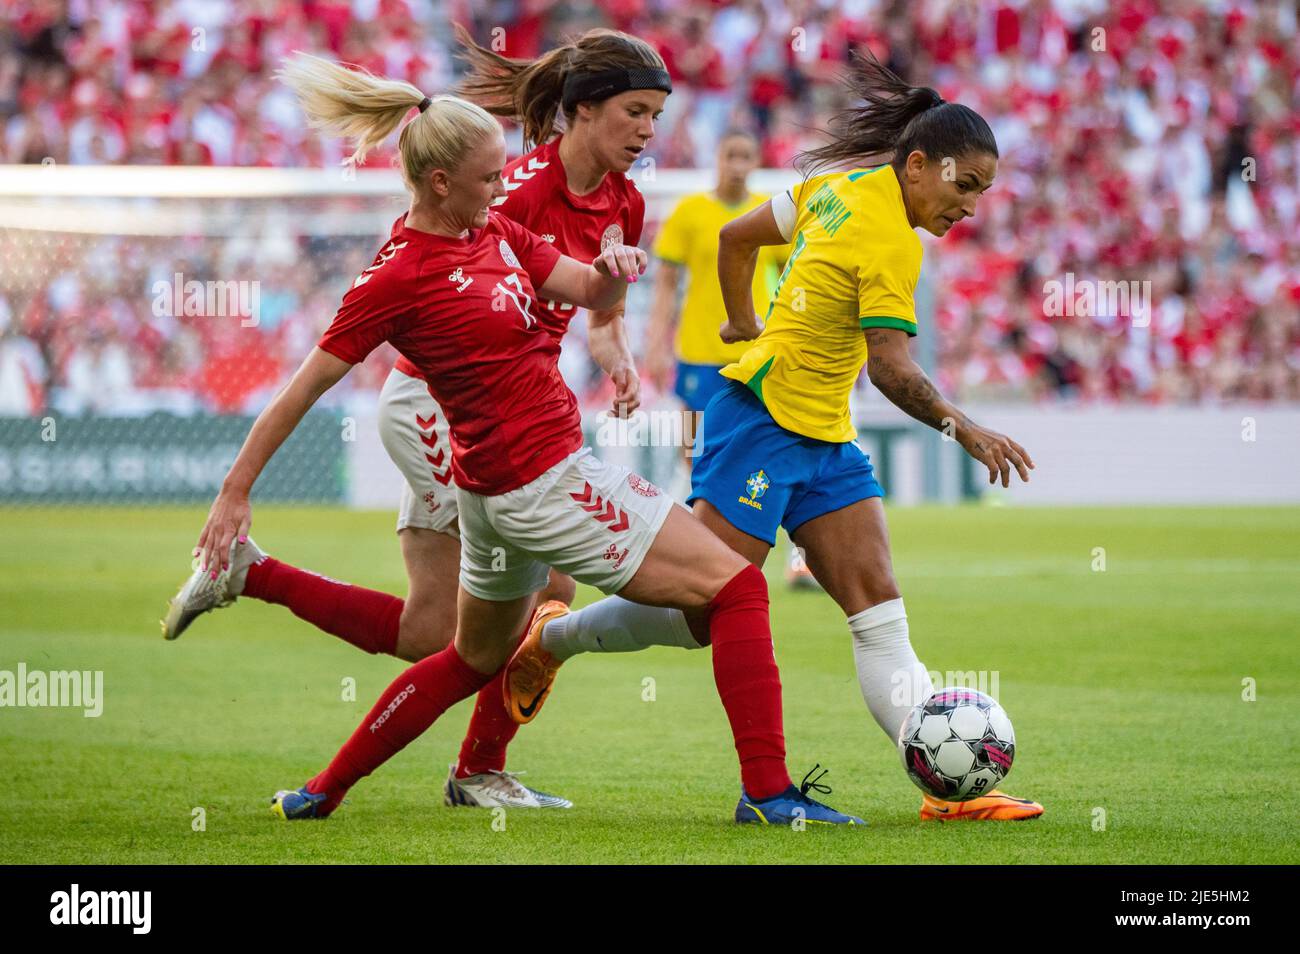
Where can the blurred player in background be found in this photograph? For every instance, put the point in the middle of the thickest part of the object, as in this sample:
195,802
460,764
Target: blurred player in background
571,189
687,243
529,495
778,442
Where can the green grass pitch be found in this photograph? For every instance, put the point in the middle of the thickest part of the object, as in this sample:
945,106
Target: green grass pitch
1125,685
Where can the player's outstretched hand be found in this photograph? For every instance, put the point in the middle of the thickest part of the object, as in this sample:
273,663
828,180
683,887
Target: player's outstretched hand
731,333
997,452
621,261
230,517
627,390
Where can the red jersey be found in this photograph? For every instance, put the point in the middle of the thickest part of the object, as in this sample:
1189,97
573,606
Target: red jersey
464,313
580,226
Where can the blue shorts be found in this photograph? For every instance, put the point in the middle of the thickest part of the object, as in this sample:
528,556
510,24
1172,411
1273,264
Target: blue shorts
761,476
697,383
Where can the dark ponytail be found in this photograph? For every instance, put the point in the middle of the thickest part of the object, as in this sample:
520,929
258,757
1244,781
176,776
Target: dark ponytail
531,91
893,120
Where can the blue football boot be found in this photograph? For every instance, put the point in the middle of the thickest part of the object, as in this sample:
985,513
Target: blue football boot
791,806
295,805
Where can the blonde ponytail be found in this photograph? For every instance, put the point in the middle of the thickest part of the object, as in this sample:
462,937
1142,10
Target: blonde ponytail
365,109
350,103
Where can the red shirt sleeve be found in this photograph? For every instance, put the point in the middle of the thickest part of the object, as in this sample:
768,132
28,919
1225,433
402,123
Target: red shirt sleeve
372,312
537,256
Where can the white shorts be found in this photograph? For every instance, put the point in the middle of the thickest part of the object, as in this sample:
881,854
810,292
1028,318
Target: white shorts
591,520
416,435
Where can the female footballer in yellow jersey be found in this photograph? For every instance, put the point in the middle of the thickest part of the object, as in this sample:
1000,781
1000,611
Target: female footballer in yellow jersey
778,442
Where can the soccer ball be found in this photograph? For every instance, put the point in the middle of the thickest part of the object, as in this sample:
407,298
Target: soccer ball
957,745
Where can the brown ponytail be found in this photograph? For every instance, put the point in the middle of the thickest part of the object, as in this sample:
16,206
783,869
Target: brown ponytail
893,119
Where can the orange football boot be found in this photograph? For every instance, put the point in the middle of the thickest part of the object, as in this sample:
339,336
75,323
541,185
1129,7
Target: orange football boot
532,669
995,806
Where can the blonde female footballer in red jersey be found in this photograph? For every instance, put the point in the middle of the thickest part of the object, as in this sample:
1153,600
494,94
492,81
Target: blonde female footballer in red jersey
527,491
571,189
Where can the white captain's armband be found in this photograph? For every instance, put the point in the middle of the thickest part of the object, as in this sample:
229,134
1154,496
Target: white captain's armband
784,212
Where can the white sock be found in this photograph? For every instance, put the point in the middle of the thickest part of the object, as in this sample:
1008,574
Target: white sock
892,678
616,625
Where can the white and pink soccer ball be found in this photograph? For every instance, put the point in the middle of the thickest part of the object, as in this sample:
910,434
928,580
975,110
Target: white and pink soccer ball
957,745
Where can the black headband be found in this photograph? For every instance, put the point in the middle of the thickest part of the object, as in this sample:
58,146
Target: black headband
589,87
424,103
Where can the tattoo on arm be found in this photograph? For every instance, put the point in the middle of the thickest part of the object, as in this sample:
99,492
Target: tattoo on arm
908,387
913,393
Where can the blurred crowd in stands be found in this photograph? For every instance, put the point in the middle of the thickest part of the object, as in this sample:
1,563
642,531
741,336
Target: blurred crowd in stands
1147,141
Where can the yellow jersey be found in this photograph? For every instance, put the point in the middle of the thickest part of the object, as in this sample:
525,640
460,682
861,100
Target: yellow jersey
689,238
853,264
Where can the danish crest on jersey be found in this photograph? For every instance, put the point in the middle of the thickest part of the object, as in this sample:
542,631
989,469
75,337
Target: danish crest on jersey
613,236
508,254
642,486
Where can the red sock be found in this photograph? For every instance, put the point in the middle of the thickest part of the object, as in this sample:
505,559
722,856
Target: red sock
409,706
744,669
490,731
365,618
